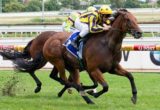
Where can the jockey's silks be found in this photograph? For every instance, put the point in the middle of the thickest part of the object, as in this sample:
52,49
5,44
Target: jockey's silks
93,20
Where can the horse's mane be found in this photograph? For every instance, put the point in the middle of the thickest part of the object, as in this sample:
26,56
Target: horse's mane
119,11
123,9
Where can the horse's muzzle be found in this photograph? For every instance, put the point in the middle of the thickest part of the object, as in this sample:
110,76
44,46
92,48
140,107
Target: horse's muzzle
137,34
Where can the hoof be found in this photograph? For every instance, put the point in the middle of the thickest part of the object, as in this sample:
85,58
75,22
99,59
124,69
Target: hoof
59,94
37,89
96,95
134,100
90,103
90,92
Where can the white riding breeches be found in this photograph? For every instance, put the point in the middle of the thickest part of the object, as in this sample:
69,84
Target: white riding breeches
82,27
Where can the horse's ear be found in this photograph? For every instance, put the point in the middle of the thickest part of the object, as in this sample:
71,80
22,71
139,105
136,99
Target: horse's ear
119,12
123,9
115,14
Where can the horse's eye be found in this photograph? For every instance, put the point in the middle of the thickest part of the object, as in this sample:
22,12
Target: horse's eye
128,21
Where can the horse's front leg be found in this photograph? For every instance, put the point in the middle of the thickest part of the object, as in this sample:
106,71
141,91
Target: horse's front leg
97,77
95,84
122,72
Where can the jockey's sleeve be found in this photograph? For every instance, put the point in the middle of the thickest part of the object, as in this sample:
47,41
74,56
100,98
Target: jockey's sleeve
68,26
93,26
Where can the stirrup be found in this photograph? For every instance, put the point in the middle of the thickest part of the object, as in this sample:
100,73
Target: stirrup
79,54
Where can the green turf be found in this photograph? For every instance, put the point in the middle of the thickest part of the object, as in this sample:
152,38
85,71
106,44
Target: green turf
118,97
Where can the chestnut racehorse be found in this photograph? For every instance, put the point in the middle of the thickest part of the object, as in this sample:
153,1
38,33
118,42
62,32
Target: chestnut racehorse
102,53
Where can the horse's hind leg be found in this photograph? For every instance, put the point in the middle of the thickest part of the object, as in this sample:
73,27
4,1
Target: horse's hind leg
65,87
120,71
32,73
38,82
59,64
95,84
54,75
73,78
75,82
97,77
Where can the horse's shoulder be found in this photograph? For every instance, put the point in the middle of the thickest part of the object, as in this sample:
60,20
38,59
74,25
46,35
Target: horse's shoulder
95,39
96,35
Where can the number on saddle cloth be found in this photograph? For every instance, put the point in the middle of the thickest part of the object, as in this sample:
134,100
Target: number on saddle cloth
69,46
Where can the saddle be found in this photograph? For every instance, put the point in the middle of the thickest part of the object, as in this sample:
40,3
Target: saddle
74,50
70,46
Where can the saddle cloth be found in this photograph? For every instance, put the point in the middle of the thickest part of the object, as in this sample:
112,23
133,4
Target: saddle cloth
72,49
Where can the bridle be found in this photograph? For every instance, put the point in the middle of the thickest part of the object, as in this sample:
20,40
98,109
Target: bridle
128,25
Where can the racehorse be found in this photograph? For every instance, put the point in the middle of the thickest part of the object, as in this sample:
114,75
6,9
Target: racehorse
32,50
103,48
110,44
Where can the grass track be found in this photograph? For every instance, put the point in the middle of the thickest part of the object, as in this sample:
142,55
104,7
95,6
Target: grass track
118,97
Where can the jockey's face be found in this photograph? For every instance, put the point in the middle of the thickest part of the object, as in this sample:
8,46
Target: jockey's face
104,17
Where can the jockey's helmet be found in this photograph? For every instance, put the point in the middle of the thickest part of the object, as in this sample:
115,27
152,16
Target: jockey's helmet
91,8
105,9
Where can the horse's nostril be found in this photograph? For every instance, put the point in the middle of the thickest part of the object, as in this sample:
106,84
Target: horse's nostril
139,34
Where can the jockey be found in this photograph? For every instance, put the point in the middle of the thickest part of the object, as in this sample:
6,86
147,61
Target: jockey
92,22
68,25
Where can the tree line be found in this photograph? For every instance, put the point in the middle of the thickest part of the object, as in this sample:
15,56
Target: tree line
50,5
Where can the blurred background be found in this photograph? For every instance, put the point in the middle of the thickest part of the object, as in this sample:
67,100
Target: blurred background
55,11
23,20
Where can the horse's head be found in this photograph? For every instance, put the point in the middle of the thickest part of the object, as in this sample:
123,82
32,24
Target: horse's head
128,23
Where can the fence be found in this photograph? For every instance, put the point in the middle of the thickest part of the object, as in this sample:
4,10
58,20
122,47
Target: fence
30,30
137,54
27,30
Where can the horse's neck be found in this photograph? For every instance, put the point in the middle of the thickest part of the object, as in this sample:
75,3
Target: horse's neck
115,38
115,35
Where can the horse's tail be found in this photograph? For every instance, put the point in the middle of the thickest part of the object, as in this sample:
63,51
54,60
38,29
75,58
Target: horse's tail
24,65
14,55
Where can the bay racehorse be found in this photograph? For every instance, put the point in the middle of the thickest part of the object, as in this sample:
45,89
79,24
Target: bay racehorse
31,58
101,53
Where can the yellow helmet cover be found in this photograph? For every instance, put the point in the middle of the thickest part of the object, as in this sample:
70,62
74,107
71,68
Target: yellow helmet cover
105,9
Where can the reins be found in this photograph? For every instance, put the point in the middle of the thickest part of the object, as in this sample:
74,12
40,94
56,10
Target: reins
117,29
